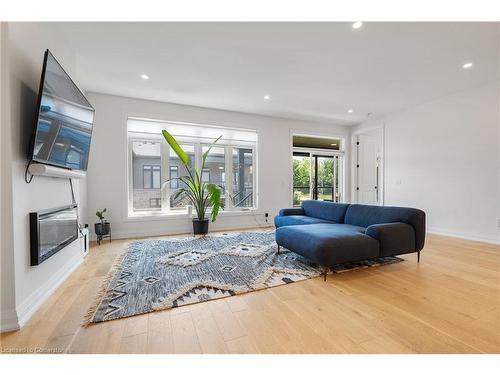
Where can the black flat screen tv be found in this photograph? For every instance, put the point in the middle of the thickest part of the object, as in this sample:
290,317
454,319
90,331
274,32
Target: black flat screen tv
64,120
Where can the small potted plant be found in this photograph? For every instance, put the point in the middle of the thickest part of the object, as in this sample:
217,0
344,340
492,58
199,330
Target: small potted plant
202,195
102,228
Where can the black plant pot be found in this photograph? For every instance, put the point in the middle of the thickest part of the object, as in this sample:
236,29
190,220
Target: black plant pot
200,226
102,229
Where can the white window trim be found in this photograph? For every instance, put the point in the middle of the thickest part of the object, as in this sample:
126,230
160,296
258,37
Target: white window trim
198,142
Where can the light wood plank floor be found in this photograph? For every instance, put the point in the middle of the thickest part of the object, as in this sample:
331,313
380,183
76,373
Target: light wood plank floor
449,303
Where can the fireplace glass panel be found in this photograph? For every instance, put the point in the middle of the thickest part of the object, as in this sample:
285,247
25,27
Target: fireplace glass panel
55,229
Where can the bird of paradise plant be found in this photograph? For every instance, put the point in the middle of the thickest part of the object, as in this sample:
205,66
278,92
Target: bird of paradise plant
201,194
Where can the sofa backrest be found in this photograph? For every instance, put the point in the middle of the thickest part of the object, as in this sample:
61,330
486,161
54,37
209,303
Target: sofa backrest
365,215
325,210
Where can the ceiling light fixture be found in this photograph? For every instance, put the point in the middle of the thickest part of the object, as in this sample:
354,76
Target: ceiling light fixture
467,65
350,110
333,144
144,76
267,97
357,25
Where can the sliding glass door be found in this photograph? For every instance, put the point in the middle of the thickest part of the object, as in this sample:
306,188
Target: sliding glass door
316,175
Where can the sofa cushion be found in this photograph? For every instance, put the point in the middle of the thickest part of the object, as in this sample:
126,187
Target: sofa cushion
292,211
325,210
281,221
365,215
327,244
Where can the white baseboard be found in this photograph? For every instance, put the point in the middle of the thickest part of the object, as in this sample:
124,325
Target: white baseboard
30,305
9,321
132,235
462,236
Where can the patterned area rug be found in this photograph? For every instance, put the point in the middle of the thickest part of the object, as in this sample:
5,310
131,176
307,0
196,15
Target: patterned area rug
162,274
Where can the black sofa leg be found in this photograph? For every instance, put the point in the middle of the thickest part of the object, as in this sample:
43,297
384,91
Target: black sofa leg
418,257
324,273
278,249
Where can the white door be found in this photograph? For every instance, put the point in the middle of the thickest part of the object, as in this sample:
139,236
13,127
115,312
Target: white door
368,169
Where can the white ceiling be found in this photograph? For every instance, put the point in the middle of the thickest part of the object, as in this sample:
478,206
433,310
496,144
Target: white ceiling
312,71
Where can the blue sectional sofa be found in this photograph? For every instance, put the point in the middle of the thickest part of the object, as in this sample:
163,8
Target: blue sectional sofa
334,233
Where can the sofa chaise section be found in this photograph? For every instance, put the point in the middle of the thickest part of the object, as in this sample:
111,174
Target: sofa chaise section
328,244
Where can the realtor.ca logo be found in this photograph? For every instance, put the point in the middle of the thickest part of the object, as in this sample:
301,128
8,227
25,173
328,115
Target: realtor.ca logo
30,350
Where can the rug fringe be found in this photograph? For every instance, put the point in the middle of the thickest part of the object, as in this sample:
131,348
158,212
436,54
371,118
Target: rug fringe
103,289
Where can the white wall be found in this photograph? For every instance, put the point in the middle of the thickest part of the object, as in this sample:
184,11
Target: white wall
443,157
26,45
107,172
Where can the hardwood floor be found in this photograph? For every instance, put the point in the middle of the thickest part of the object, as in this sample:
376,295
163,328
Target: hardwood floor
449,303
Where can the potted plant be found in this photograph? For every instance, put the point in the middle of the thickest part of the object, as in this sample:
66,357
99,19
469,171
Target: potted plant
102,228
201,194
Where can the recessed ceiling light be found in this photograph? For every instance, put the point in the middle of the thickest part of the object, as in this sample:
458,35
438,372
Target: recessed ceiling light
357,25
467,65
144,76
267,97
350,110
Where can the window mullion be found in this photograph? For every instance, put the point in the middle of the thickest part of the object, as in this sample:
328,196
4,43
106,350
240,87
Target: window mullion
165,175
228,159
130,208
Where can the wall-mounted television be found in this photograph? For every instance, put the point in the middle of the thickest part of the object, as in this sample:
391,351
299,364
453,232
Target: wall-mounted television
64,120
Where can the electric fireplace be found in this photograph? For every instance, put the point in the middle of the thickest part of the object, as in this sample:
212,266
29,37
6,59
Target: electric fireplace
51,231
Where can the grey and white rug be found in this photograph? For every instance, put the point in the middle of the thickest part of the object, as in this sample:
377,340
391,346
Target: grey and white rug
162,274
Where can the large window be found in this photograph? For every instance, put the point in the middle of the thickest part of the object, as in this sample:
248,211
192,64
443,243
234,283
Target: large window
230,165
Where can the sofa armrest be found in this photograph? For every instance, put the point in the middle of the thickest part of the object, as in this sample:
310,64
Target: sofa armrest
291,211
394,238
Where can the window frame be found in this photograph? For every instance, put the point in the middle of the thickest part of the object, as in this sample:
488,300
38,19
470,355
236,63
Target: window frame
165,188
